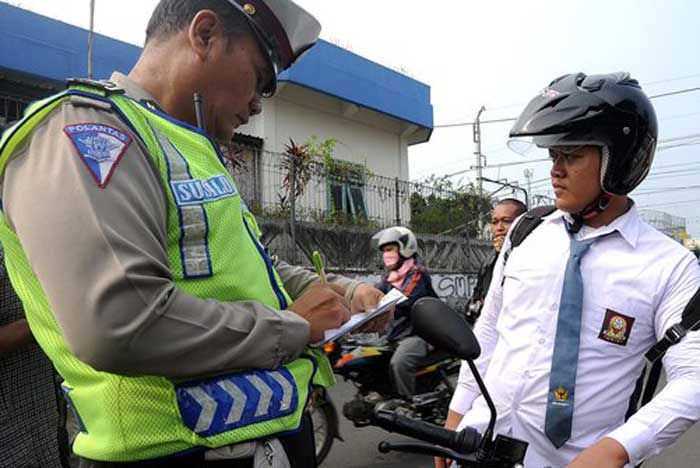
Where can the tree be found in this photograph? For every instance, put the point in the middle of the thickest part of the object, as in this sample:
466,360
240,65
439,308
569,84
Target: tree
437,207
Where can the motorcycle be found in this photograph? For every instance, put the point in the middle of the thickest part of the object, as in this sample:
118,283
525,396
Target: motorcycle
439,325
363,359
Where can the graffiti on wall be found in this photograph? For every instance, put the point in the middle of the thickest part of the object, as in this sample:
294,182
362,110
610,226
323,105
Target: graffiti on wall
454,286
446,286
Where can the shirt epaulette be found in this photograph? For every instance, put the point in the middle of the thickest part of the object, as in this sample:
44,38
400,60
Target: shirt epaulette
102,85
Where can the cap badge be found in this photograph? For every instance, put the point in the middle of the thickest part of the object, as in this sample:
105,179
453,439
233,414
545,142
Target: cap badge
249,8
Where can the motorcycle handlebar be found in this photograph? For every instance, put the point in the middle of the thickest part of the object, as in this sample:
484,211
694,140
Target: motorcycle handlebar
465,441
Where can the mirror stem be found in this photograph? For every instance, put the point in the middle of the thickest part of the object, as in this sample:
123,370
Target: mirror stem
488,433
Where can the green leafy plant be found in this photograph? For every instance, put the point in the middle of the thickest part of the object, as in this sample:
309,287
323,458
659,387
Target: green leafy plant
297,160
439,207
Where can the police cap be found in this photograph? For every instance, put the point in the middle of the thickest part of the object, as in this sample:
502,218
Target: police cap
283,30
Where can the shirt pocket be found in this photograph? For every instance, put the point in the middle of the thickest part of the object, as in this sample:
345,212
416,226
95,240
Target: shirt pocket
619,324
523,289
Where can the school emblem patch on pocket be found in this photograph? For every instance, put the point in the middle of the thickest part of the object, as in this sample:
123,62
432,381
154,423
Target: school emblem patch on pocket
616,328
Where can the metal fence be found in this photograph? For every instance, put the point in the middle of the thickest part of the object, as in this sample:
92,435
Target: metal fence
11,109
342,193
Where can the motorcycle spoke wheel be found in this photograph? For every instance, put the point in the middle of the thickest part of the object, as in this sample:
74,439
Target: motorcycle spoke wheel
323,436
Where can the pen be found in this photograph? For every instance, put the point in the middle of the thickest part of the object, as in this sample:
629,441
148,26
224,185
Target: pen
318,264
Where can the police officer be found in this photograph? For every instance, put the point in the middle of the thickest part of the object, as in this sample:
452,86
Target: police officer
571,313
141,269
502,216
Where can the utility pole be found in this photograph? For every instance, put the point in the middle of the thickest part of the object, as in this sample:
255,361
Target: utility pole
477,149
528,176
91,38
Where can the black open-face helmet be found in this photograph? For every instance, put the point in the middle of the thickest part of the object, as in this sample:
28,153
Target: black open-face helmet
609,111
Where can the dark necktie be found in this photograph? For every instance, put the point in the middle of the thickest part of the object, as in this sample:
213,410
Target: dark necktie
562,379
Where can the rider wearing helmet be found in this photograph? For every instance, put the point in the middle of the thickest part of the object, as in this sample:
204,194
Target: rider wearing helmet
609,114
570,315
406,273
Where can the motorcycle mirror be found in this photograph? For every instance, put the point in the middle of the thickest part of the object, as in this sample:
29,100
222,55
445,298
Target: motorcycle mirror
438,324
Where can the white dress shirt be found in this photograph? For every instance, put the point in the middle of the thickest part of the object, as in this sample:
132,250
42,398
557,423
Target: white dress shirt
635,271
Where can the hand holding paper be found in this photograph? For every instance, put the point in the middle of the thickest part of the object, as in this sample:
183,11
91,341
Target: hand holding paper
358,320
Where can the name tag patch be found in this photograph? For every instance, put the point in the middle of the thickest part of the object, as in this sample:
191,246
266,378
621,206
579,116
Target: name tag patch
101,147
616,328
199,191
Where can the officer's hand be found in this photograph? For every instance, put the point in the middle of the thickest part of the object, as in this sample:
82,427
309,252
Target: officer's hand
324,307
606,453
441,462
366,297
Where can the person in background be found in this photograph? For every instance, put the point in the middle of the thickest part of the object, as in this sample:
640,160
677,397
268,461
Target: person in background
502,216
406,273
32,412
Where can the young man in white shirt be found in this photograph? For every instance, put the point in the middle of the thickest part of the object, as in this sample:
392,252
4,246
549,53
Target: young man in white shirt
565,392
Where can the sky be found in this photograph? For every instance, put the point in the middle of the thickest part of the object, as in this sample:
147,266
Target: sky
499,54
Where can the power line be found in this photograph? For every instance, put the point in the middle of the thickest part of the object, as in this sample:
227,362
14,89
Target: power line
674,93
644,85
652,83
498,166
513,119
465,124
669,204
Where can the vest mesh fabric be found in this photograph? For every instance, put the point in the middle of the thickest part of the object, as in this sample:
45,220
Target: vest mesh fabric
137,418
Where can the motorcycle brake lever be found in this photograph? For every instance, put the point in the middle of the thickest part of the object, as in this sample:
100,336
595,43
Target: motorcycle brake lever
425,449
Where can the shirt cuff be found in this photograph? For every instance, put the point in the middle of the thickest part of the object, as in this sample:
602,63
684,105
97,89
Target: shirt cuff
462,400
346,283
294,333
636,439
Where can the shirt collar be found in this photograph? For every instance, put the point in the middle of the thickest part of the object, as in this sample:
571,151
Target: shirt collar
628,224
132,88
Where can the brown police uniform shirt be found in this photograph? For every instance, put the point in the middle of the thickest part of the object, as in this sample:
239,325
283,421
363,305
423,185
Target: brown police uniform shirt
100,256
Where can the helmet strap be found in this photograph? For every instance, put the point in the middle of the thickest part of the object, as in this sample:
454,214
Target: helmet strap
596,207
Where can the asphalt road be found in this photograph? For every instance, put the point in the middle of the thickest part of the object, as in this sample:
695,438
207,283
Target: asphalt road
359,450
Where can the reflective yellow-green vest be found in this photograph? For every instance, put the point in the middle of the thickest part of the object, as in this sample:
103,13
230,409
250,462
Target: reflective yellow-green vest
214,252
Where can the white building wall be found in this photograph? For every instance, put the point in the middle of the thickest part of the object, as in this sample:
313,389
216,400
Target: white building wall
363,137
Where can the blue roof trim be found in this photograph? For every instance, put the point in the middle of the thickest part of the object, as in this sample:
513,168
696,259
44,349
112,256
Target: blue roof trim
338,72
47,48
41,46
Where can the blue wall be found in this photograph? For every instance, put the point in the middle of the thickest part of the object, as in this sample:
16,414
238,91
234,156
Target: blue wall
47,48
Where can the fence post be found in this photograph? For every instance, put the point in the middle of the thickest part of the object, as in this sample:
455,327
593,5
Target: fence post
292,210
397,202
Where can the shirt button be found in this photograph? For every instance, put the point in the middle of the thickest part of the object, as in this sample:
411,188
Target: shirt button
542,341
555,306
527,374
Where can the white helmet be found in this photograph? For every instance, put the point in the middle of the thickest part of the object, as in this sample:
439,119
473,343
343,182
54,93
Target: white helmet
403,237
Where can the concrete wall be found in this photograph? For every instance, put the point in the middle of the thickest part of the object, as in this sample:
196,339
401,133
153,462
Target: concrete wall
453,261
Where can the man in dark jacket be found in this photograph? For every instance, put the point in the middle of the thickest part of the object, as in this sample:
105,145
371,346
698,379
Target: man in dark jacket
502,216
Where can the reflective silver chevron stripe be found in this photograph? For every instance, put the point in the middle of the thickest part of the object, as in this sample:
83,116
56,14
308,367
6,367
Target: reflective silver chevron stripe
287,389
208,404
265,395
239,399
193,246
